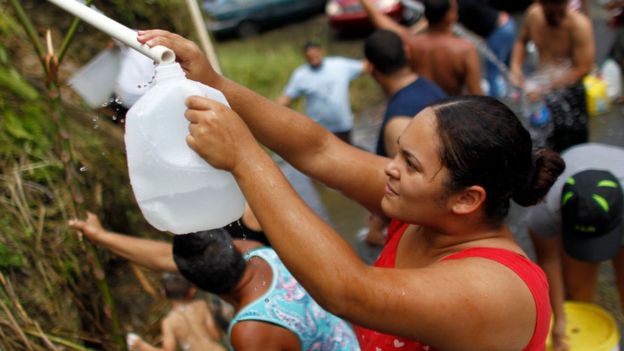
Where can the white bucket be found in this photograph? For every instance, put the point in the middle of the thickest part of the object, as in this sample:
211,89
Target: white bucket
96,80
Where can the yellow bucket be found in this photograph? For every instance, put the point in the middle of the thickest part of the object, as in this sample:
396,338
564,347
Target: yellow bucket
590,328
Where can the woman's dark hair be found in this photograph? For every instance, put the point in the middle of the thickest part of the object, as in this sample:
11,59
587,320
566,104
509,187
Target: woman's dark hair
176,287
483,143
209,260
384,49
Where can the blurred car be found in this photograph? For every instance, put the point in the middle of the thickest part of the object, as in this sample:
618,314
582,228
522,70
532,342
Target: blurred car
247,18
349,16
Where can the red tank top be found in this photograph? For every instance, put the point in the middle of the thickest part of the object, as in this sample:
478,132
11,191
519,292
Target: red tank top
529,272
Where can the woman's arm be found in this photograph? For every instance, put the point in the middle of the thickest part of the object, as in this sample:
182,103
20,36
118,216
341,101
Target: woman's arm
152,254
299,140
383,21
449,305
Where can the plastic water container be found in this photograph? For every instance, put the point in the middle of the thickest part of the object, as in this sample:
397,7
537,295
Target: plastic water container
102,69
175,188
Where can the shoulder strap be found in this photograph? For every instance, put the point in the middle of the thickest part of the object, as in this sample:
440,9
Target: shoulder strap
533,277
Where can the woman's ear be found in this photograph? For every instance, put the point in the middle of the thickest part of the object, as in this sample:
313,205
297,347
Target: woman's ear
468,200
368,67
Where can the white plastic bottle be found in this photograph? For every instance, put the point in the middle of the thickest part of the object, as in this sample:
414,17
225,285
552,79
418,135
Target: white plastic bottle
176,189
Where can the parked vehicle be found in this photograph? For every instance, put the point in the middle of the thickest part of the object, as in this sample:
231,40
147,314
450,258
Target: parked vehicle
349,16
247,18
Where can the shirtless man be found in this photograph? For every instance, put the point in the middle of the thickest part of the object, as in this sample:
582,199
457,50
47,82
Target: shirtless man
189,324
436,54
563,38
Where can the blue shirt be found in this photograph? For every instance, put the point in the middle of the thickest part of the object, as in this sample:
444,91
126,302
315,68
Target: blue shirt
408,101
326,91
288,305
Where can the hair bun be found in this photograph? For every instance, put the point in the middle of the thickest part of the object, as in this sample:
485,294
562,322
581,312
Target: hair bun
546,168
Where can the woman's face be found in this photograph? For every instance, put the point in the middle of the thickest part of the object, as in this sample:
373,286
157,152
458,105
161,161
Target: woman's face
415,190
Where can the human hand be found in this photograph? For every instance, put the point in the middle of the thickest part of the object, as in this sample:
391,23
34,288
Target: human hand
559,337
516,78
217,133
188,54
132,341
91,227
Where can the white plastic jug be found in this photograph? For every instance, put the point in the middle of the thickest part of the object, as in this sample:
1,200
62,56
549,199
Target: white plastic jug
176,189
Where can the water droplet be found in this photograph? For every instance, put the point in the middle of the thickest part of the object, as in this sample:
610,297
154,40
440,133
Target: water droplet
83,169
266,300
264,283
139,86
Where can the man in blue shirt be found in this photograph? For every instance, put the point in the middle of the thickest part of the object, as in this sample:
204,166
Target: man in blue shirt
324,83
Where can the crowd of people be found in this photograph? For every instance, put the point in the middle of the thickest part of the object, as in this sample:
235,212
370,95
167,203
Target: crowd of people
448,164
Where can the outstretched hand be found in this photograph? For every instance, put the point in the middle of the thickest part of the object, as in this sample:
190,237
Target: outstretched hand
91,227
218,134
188,54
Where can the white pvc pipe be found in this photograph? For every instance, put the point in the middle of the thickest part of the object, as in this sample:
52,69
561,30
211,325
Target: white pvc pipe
160,54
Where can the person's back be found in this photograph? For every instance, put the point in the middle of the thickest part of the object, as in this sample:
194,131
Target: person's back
437,54
443,59
191,323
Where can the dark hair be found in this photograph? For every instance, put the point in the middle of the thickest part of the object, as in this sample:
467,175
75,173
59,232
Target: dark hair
176,287
559,2
384,49
310,45
435,10
209,260
484,143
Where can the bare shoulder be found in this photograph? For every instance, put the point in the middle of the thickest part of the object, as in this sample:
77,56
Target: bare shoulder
199,305
487,287
534,12
257,335
579,22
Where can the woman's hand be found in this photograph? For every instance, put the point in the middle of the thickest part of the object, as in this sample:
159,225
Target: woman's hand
91,227
188,54
218,134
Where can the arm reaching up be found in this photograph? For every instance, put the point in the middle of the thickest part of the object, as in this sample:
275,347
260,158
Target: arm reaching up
383,21
151,254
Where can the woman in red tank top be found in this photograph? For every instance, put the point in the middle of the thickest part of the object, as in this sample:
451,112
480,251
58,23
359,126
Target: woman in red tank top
451,276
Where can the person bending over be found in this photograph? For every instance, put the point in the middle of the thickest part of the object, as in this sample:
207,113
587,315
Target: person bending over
189,324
